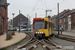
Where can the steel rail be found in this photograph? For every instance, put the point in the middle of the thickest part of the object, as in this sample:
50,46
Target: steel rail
65,38
28,42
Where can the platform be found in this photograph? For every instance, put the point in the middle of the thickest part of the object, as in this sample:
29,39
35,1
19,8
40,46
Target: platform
15,39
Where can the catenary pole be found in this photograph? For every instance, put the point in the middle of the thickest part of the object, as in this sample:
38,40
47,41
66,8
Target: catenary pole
19,20
35,15
58,17
28,21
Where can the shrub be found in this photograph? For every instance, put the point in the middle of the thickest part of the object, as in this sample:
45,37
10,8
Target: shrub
9,30
9,36
1,32
13,33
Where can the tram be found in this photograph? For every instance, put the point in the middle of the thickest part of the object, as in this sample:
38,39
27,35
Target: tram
43,27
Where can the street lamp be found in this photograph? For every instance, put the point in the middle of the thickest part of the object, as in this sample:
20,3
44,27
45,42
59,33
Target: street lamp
13,19
6,4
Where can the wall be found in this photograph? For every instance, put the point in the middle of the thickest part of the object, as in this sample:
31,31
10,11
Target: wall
73,21
4,21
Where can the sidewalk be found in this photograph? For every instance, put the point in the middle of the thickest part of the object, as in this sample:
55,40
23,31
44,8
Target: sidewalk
15,39
67,33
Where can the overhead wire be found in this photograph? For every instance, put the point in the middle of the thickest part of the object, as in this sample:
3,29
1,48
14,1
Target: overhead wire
34,6
38,8
37,4
44,4
64,2
61,3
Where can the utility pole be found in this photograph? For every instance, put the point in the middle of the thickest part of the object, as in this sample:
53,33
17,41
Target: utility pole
58,17
35,15
28,21
19,20
47,11
6,4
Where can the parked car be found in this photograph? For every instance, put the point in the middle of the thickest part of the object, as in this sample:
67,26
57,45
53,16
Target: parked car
62,29
13,29
29,29
22,29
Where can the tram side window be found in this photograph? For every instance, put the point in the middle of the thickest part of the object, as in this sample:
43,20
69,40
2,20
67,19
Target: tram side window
49,24
45,24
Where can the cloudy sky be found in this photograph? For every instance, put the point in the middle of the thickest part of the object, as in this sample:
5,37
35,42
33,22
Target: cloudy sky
31,7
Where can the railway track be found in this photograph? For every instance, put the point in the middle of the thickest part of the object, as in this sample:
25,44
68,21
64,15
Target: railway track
34,43
65,38
31,39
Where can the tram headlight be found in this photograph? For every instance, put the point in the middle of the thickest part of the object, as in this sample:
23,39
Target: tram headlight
42,32
36,32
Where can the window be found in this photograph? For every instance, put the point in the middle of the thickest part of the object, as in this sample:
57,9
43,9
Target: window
40,25
64,19
60,21
69,16
69,19
49,25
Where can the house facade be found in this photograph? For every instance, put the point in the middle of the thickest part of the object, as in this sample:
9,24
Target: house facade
20,20
3,15
66,20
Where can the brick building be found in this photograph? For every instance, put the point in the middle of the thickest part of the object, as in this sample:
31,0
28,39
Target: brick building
3,15
67,20
23,20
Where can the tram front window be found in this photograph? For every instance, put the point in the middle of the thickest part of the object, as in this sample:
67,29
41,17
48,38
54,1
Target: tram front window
40,25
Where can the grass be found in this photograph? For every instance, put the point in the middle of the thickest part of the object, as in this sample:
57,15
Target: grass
9,38
4,49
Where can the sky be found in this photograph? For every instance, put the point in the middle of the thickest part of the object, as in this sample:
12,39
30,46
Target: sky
31,7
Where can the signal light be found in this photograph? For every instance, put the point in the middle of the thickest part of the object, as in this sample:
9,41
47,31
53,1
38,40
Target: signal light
38,32
42,32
